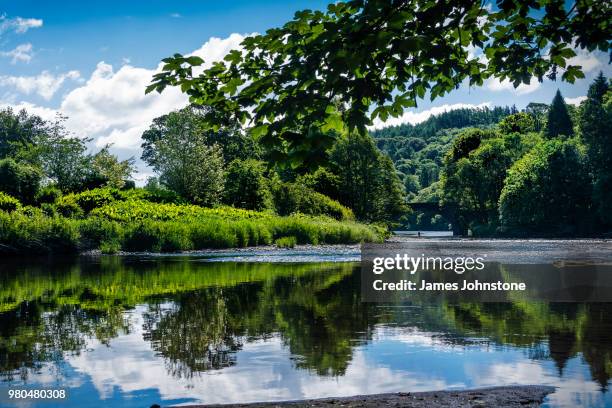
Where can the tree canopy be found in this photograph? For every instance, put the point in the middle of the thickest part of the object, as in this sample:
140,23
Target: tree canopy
367,59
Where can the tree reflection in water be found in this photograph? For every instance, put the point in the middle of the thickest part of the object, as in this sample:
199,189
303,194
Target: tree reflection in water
200,314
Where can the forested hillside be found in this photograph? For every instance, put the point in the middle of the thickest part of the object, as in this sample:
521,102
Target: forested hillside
418,152
543,171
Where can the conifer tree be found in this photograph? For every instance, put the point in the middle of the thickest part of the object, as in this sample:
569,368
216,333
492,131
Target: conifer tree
559,121
595,123
592,119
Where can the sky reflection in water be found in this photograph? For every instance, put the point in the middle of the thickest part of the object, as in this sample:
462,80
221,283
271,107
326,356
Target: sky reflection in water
253,332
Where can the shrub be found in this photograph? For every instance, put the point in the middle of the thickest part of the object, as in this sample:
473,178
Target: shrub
110,247
68,208
8,203
285,242
322,181
31,211
88,200
154,195
48,209
48,195
19,180
292,198
137,225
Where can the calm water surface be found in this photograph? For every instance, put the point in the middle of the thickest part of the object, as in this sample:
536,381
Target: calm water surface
130,332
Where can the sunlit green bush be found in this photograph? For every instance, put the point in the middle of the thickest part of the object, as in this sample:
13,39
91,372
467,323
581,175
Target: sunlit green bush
88,200
48,195
8,203
136,225
292,198
286,242
68,208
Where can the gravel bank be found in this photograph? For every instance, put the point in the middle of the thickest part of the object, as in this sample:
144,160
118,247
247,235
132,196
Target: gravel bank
511,396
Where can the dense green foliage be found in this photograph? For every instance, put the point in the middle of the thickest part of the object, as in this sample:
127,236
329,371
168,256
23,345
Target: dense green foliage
45,151
547,190
418,150
366,179
306,150
18,132
8,203
474,173
20,180
367,59
246,185
177,149
190,123
544,186
57,198
596,131
355,178
133,224
511,177
295,197
522,122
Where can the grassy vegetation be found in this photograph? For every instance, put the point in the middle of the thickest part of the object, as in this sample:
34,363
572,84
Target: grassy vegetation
112,282
137,220
286,242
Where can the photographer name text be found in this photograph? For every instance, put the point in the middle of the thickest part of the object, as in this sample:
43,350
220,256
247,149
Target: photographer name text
406,285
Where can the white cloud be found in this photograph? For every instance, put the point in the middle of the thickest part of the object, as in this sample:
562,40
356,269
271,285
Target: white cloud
19,24
418,117
216,48
111,106
587,60
265,371
494,84
21,53
32,109
44,84
575,101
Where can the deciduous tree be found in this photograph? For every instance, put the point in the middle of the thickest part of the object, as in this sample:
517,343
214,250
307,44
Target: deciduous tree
368,59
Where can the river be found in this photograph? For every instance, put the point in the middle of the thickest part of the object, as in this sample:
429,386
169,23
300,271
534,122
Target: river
130,331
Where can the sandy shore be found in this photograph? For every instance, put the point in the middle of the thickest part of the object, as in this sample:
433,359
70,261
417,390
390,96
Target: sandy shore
510,396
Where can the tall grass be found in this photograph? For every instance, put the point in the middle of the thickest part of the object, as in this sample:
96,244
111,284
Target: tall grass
137,225
35,233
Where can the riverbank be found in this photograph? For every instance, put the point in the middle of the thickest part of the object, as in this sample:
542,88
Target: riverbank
510,396
263,253
138,226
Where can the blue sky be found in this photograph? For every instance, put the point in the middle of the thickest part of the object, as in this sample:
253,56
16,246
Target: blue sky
91,61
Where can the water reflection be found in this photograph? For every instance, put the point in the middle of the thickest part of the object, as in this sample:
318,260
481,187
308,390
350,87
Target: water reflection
181,330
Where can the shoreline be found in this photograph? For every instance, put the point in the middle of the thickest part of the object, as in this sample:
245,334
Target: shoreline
393,239
504,396
241,250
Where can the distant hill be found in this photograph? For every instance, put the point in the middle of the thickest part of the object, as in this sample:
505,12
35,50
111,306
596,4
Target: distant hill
454,119
417,150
